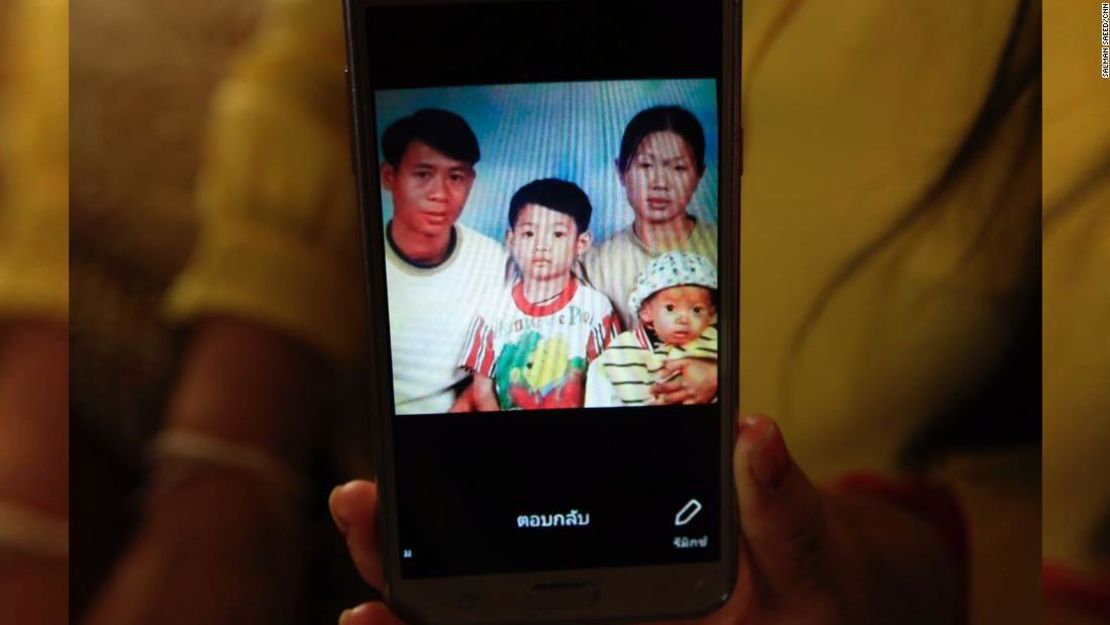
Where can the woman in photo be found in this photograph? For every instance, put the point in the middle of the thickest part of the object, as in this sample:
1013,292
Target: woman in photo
661,163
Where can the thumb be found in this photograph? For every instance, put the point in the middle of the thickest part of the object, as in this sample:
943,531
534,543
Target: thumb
354,507
781,515
375,613
670,366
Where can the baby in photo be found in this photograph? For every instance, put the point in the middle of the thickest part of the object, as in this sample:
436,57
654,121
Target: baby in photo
675,300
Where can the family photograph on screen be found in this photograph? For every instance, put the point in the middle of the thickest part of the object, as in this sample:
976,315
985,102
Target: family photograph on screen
550,246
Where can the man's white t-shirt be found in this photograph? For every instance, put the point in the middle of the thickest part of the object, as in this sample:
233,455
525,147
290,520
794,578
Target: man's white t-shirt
430,310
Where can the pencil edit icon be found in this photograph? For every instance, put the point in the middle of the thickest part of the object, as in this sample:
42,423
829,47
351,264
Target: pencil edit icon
687,513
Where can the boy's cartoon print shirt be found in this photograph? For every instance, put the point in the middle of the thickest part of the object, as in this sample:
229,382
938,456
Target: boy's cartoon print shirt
537,354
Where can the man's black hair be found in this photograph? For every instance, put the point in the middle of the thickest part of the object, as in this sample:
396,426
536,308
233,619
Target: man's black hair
558,195
660,119
440,130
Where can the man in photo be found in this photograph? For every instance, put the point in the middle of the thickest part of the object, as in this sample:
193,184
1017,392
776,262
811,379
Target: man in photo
437,270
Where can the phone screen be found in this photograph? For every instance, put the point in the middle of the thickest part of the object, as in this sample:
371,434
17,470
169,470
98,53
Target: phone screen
548,188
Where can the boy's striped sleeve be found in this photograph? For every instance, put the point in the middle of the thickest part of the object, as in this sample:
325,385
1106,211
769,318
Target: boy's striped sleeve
478,354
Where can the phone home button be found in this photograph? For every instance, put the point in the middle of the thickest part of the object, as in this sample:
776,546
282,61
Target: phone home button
562,596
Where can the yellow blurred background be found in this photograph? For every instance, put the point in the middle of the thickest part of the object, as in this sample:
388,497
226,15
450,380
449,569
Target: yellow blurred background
141,75
140,78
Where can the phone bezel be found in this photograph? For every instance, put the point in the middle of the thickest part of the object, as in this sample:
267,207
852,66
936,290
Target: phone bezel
673,590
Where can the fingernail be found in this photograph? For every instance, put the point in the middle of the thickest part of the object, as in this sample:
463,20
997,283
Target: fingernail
768,458
344,616
750,430
339,522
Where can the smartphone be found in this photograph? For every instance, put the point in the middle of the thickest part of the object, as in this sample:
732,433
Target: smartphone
549,193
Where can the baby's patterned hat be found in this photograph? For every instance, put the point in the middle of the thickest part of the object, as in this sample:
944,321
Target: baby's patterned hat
670,270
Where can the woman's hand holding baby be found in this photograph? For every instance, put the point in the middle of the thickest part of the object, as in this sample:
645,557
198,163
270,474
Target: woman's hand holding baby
686,381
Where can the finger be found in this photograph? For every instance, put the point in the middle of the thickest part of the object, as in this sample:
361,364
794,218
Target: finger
668,385
673,366
673,397
374,613
780,511
354,507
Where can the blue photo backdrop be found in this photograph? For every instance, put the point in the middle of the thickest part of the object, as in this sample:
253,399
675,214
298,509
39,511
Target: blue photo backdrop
564,130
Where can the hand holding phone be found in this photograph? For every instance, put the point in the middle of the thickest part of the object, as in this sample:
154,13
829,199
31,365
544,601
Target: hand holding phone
833,576
549,206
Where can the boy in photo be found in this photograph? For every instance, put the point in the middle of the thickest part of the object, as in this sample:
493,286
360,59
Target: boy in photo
530,346
675,298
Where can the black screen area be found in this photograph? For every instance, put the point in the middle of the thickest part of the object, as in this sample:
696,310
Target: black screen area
464,481
547,89
542,41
